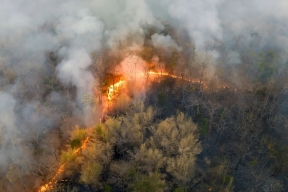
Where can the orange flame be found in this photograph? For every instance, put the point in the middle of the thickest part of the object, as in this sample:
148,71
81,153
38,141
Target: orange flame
50,184
112,90
175,77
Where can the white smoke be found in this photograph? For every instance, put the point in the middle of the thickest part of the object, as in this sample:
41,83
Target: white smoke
74,70
165,42
9,132
46,48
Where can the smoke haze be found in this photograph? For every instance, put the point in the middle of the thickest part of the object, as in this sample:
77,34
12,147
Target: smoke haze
48,45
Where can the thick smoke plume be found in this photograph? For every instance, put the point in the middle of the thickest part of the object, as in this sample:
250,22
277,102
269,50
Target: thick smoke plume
46,53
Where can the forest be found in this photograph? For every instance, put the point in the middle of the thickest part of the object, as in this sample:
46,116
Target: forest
166,96
189,136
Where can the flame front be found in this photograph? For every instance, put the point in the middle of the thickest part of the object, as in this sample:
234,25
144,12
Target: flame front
175,77
186,79
112,91
50,184
114,88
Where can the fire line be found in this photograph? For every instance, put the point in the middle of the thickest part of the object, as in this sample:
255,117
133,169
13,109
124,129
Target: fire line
111,93
50,184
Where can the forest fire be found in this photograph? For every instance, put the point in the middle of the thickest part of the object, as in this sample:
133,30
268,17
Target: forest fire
113,89
50,184
167,95
186,79
112,92
177,77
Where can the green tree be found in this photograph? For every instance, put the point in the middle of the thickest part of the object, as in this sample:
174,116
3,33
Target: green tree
148,183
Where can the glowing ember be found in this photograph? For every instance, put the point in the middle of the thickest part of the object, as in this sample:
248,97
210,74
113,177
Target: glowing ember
50,184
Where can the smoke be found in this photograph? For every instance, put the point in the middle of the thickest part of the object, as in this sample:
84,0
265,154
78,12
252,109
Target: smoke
73,70
129,23
8,128
200,18
165,42
46,48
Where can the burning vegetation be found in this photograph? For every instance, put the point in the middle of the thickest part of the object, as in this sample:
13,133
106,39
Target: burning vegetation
164,96
140,148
